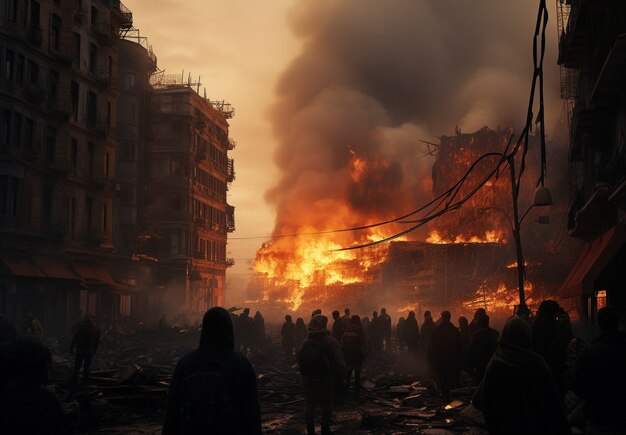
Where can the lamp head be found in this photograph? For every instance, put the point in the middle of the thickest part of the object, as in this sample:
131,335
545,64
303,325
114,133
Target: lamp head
542,197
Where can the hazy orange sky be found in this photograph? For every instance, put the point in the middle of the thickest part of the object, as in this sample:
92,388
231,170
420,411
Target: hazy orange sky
238,48
429,65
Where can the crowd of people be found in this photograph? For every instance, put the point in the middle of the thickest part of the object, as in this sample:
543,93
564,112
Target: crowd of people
522,374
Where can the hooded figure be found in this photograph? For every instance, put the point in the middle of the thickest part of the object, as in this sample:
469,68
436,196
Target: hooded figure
445,354
287,333
300,332
321,361
518,394
354,348
427,329
482,345
230,379
339,326
411,333
548,340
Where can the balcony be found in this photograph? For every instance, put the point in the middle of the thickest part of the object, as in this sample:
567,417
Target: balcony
105,78
231,144
230,171
124,15
230,218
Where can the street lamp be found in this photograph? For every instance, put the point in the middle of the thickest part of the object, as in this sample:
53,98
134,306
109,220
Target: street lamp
541,198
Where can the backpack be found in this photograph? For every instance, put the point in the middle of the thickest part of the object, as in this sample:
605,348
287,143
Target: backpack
206,401
314,361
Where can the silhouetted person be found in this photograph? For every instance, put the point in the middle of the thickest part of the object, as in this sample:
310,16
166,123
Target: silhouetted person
375,333
548,340
339,326
427,329
31,326
400,334
246,329
600,376
354,347
320,360
259,330
287,334
25,406
300,332
83,346
483,343
480,312
465,331
346,317
8,333
385,323
518,394
213,389
316,312
411,333
445,353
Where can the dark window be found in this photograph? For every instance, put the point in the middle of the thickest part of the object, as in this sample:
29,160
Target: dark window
91,151
105,223
29,134
93,58
77,49
92,107
32,72
34,15
53,86
94,16
19,69
6,127
109,114
106,165
55,32
75,92
12,10
17,129
89,211
74,153
51,144
9,65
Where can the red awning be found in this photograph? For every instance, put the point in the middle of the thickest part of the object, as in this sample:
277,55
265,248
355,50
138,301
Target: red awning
94,273
21,263
54,267
593,260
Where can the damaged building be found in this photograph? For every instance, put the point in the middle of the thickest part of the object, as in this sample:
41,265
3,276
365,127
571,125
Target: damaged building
79,230
592,47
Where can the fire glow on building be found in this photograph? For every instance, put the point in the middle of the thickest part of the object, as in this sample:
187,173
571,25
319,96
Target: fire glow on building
458,261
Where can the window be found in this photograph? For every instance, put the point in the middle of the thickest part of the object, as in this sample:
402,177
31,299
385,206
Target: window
94,16
109,114
93,58
74,153
105,218
19,69
9,195
51,144
75,92
91,151
29,134
6,126
9,65
77,49
106,165
129,84
34,15
17,129
12,11
92,107
89,211
53,86
55,32
32,72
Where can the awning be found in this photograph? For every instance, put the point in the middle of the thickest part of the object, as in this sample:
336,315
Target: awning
593,260
22,264
94,273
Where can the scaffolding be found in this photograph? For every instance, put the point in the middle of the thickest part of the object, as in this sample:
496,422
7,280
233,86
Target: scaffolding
161,80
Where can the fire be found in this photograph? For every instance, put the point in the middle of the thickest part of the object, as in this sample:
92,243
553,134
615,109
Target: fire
493,236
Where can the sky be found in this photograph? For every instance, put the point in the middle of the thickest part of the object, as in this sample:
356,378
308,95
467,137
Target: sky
412,67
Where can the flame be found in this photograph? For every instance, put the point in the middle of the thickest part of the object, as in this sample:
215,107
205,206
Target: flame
489,237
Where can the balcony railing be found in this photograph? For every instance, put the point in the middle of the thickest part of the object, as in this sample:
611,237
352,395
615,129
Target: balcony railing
230,171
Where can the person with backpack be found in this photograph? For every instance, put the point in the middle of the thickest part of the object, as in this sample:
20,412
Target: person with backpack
213,389
353,347
320,360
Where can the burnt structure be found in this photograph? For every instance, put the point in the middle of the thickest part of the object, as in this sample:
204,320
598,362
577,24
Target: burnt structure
592,47
78,227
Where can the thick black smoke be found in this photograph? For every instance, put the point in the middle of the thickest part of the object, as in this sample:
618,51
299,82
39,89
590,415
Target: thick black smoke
377,77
